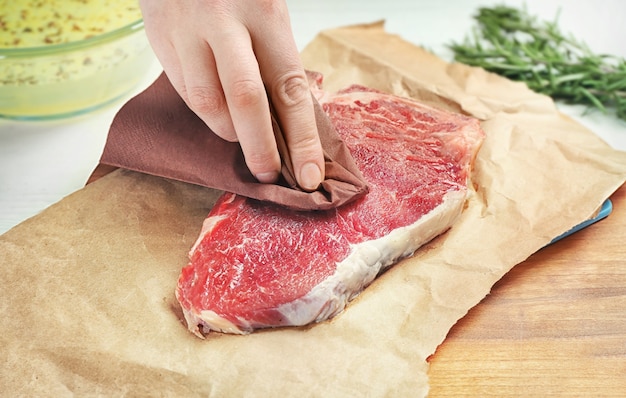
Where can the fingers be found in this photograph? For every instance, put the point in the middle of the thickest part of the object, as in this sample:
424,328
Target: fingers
294,106
221,56
188,61
201,88
247,101
287,84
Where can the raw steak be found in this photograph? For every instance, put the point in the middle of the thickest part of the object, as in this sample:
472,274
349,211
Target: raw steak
257,265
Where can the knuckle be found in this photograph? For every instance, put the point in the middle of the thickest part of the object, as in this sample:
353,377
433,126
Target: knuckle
210,106
259,161
271,7
206,101
308,145
246,93
260,158
292,90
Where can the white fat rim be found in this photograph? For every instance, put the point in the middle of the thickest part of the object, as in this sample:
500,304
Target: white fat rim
365,261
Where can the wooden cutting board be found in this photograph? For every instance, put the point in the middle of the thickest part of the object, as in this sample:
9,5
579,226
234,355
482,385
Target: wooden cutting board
554,325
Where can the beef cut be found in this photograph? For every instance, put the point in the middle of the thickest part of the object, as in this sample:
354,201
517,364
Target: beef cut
258,265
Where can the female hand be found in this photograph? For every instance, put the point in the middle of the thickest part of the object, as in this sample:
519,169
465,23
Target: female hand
224,57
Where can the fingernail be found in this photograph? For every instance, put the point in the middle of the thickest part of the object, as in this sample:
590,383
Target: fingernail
310,176
267,178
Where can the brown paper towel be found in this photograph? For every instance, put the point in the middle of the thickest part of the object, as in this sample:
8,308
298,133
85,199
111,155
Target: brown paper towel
87,302
156,133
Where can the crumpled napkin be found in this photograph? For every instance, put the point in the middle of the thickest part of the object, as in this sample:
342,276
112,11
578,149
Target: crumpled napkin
156,133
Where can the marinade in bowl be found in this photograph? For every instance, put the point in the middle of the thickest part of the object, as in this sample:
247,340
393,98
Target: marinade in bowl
67,57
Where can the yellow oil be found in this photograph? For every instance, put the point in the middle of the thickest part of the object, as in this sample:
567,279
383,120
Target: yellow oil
74,95
35,23
66,83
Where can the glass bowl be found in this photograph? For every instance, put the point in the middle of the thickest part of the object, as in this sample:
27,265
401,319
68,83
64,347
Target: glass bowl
68,79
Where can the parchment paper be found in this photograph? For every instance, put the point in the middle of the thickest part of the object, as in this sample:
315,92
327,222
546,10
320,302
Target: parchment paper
87,303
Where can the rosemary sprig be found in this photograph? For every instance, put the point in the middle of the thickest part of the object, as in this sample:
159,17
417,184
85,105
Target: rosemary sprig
512,43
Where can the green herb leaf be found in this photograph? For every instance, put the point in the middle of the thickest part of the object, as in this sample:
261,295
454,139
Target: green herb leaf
510,42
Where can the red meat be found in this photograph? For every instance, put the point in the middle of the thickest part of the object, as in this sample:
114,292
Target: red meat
257,265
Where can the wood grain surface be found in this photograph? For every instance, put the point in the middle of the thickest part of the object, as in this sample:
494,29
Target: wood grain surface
553,326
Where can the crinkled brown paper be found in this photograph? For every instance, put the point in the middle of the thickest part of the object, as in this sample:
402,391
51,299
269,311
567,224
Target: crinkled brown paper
87,303
156,133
